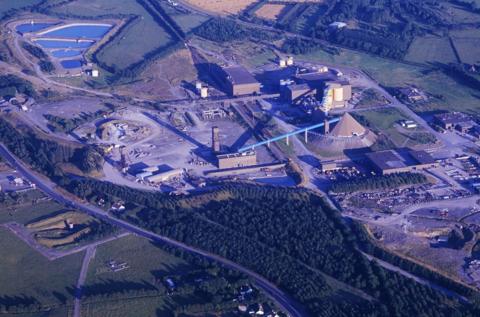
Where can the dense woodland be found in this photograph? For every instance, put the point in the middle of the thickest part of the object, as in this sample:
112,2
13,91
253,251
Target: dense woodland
378,182
224,30
289,236
46,155
10,85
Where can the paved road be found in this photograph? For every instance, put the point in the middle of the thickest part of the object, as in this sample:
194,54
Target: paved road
49,188
89,255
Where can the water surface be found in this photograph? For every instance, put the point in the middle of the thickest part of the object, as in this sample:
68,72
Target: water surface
66,53
71,63
63,44
80,31
28,27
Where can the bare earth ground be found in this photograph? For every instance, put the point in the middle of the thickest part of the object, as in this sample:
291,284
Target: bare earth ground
445,260
270,11
222,6
163,78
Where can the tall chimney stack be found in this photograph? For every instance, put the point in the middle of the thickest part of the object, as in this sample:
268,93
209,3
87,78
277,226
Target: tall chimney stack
215,140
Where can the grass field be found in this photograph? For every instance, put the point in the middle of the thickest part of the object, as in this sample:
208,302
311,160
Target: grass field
147,263
134,251
222,6
396,74
26,273
6,5
25,212
431,49
144,35
468,49
186,21
386,121
150,306
270,11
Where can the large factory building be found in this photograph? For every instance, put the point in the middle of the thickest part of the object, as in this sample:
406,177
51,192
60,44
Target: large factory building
391,161
325,85
235,160
240,81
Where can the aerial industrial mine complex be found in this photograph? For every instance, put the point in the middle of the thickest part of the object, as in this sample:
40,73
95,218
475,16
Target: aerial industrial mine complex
242,124
383,149
232,98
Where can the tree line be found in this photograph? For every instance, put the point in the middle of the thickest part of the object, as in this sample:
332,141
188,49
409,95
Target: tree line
10,85
224,30
378,182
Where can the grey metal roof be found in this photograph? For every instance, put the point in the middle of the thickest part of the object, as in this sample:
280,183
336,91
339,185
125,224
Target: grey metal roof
238,75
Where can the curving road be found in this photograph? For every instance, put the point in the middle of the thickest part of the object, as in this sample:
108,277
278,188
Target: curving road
283,301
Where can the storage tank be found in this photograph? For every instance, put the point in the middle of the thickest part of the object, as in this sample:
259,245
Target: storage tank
338,94
204,92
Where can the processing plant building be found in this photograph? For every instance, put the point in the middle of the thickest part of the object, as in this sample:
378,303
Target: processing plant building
239,81
324,85
235,160
391,161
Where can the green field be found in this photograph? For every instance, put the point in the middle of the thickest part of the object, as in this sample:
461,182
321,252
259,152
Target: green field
468,47
122,294
145,261
397,74
150,306
141,37
186,21
27,274
135,251
458,14
386,121
24,211
431,49
6,5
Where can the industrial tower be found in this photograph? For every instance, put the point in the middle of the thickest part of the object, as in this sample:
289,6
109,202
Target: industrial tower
215,140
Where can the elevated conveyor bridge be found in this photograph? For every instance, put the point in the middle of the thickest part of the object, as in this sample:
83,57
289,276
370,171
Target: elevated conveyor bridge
287,136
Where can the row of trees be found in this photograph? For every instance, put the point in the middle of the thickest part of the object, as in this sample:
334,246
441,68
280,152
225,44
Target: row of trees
378,182
224,30
10,85
67,125
34,50
44,61
299,46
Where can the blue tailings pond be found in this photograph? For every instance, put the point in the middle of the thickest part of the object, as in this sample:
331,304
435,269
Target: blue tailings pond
66,53
33,27
67,40
71,63
80,31
63,44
